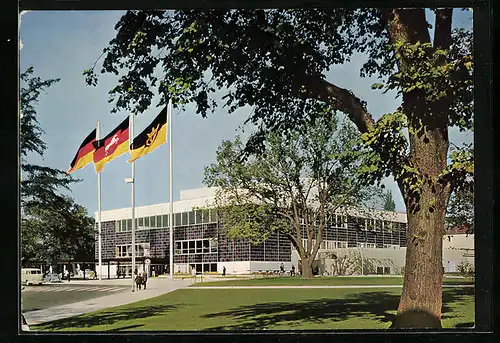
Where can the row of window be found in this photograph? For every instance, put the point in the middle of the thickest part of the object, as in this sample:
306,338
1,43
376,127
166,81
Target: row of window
329,244
197,246
326,244
141,249
180,219
371,224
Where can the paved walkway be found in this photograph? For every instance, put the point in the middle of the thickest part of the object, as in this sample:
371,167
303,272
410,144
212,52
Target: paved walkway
155,287
339,286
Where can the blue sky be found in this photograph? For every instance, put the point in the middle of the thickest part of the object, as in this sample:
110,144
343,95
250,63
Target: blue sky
61,44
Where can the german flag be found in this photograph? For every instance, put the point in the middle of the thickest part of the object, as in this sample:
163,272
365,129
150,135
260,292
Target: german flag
84,153
111,146
151,138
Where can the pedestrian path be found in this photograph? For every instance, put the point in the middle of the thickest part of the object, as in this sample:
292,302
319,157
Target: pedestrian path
75,289
302,287
155,287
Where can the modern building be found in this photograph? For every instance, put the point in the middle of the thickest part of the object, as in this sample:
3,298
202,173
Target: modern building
200,243
375,239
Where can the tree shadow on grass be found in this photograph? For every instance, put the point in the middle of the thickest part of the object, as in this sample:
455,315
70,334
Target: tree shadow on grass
376,305
106,317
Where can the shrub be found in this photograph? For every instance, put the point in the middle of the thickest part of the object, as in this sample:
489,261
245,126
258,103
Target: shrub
465,268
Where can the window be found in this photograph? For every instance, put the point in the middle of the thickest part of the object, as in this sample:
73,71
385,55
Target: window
129,224
36,272
366,245
380,270
191,245
387,270
166,222
199,247
177,219
191,218
198,217
184,219
213,245
126,250
206,246
152,221
117,226
205,216
178,248
141,222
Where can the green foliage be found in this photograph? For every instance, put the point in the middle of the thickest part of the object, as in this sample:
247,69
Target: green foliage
307,177
465,269
275,60
460,211
389,204
53,226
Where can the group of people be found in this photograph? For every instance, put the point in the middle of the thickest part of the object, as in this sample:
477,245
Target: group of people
141,279
282,270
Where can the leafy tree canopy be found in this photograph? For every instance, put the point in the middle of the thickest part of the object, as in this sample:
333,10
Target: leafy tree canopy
53,226
389,204
296,186
276,61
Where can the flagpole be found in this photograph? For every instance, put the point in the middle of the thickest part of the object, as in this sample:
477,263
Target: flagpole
171,219
133,201
99,212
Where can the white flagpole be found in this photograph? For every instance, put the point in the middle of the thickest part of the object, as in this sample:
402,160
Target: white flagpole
171,219
99,211
131,139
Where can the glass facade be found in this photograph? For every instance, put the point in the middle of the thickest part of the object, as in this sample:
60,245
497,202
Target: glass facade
201,242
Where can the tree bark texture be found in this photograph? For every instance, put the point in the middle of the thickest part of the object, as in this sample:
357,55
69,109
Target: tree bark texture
426,208
306,263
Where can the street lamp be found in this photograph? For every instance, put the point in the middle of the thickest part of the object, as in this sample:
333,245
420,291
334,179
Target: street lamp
131,181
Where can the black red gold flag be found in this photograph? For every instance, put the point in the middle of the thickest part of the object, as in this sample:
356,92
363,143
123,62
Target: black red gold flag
84,155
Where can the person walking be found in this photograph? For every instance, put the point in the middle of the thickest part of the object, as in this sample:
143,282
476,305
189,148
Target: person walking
193,273
144,278
292,272
223,270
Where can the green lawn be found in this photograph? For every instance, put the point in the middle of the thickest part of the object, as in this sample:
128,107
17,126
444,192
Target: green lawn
324,281
263,309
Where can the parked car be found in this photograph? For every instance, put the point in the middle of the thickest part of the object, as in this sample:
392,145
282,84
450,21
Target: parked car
52,277
31,276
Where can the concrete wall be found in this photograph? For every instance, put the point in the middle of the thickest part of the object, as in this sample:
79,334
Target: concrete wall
392,258
238,267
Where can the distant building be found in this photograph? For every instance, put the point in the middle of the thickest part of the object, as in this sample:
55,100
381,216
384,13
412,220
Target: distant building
200,243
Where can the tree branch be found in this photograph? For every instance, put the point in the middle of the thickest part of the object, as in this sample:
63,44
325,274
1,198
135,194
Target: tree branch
343,100
442,32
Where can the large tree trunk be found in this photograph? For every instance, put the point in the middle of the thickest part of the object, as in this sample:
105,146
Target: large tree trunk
422,287
427,198
306,264
426,209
